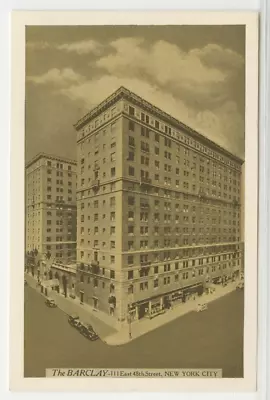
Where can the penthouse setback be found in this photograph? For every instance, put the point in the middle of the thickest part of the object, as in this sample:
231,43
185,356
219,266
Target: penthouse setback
158,205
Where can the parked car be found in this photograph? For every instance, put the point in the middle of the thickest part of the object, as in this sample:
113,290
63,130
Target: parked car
88,332
50,303
74,320
202,307
240,286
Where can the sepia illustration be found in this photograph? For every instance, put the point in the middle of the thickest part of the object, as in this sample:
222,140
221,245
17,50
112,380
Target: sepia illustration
134,201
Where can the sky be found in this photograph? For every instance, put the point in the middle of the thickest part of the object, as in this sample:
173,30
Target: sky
194,73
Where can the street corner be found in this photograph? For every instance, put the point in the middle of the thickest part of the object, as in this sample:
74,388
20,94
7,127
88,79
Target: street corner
120,338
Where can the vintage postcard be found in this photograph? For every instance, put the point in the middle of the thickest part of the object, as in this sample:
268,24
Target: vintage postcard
134,201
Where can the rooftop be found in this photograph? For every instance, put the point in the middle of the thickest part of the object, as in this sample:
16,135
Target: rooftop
123,93
50,157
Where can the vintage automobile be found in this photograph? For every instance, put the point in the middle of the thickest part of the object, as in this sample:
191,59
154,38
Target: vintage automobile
74,320
240,286
50,303
202,307
88,332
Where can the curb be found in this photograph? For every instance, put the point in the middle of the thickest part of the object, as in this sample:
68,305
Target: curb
126,341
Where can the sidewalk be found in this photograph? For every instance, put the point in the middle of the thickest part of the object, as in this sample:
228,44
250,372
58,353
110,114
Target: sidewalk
115,333
141,327
104,325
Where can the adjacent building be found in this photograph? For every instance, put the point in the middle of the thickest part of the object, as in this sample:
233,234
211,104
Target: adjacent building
158,209
50,200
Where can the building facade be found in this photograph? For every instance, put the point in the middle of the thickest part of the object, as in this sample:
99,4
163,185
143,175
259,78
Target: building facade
158,205
50,199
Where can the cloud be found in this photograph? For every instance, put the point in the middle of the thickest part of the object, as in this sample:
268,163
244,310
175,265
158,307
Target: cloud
79,47
218,57
56,76
201,76
222,124
82,47
37,45
196,86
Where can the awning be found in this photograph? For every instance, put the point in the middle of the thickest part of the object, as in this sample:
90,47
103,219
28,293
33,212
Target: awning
50,283
155,301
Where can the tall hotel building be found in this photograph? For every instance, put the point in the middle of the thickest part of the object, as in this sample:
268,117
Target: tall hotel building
50,196
158,208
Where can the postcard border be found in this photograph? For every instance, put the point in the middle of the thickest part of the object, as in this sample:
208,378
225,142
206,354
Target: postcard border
19,21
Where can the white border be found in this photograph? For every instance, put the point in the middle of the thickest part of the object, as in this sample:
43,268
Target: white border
255,128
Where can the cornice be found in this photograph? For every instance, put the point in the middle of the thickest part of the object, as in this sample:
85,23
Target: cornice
123,93
50,157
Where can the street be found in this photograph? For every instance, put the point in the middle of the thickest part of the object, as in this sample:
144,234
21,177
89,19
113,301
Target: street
210,339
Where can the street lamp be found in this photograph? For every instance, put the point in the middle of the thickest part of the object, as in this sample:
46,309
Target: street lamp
129,322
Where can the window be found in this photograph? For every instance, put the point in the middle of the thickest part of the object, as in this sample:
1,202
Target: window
130,274
131,111
131,200
131,171
112,201
112,274
131,126
49,163
155,283
143,286
130,229
112,244
131,141
131,215
112,217
130,156
156,124
112,259
112,171
145,147
130,260
112,231
112,156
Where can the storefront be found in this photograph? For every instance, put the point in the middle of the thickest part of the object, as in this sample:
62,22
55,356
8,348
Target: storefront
177,297
192,291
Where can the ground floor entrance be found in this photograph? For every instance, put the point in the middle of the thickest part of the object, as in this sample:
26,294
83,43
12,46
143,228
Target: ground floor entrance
143,310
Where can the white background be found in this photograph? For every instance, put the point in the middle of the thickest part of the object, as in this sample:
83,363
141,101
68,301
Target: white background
264,220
